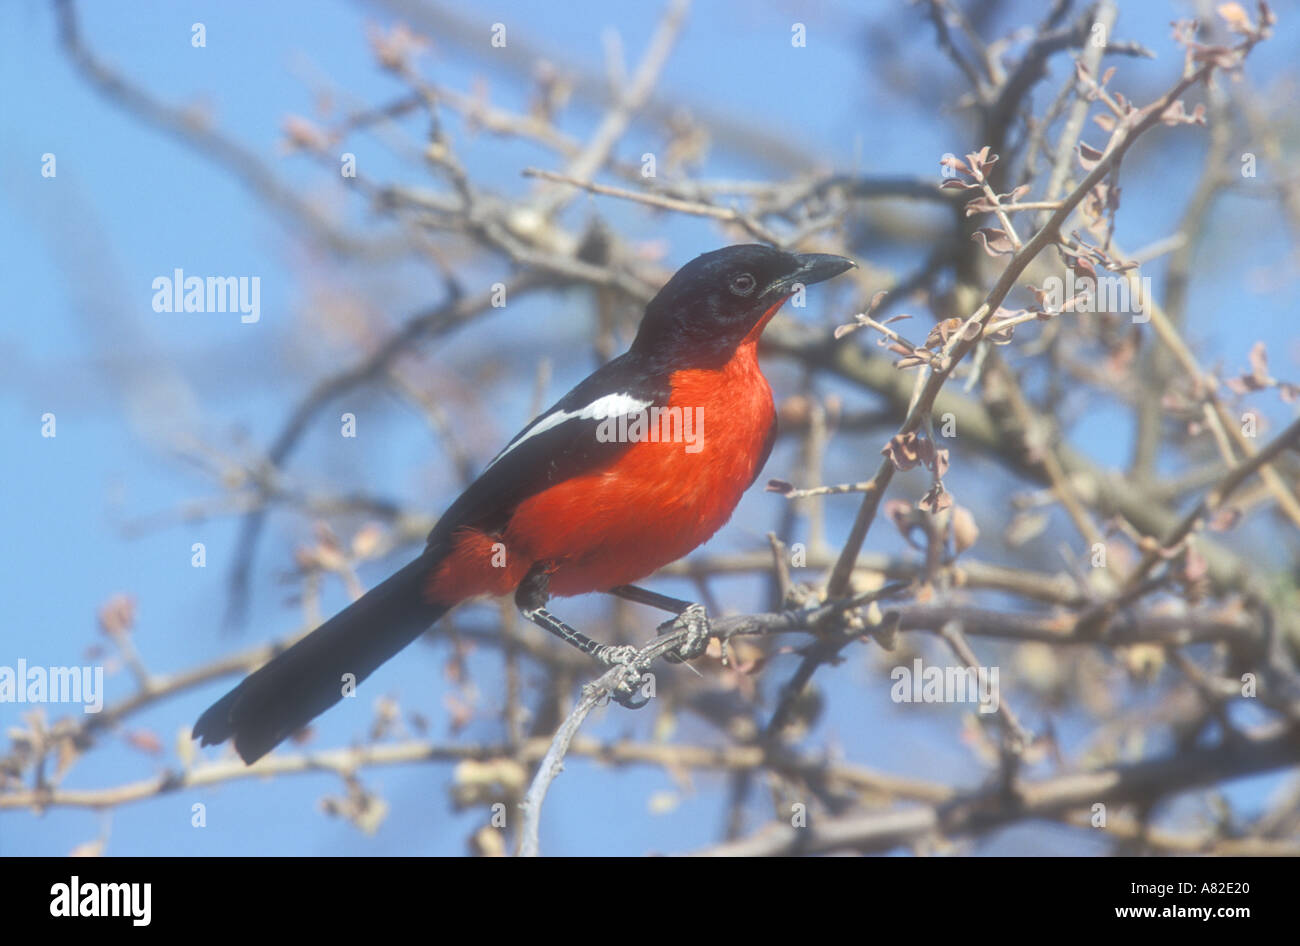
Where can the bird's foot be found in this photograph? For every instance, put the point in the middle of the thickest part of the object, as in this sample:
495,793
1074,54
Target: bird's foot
695,622
612,655
626,659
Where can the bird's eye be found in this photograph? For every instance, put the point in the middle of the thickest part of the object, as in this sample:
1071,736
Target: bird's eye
743,284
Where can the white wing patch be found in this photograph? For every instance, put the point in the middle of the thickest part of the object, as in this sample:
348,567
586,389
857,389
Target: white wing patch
611,405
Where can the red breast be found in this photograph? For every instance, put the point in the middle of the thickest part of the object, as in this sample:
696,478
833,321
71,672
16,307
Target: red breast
656,503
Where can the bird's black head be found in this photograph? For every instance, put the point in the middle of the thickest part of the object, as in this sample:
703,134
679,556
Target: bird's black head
717,300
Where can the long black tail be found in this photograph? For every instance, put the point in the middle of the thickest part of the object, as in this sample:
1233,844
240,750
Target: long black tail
295,687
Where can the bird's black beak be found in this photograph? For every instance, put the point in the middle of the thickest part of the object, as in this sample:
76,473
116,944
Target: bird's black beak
813,267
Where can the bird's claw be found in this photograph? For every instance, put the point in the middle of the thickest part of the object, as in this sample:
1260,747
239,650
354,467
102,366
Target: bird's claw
625,659
695,621
614,655
626,698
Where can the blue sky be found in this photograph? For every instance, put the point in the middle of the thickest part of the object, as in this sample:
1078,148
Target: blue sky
80,340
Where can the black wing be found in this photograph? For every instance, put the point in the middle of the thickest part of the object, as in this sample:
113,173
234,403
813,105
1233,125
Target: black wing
558,444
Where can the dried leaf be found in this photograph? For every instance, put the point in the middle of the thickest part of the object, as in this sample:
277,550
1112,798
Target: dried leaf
981,160
936,499
1083,266
925,451
965,532
903,451
1258,379
995,241
878,298
1041,296
1235,18
1176,115
144,740
396,48
1088,156
1004,334
957,164
303,134
117,615
942,331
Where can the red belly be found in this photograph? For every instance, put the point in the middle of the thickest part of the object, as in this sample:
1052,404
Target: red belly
652,506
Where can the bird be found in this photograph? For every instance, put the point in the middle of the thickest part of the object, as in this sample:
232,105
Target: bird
639,464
